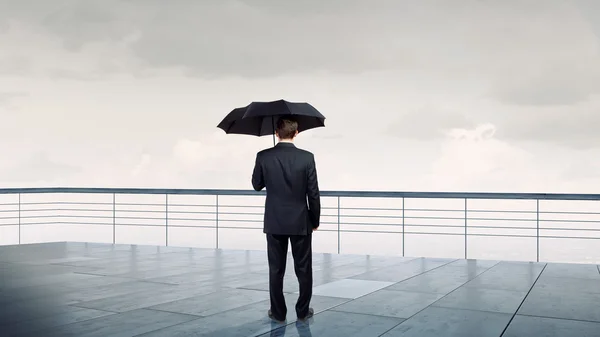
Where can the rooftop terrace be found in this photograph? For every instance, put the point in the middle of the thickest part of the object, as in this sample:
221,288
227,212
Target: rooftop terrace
130,280
94,289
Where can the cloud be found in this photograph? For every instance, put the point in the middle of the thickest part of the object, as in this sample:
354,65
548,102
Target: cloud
471,158
215,149
214,160
240,39
145,161
581,169
575,126
48,55
267,38
476,159
15,65
7,99
38,167
561,83
590,9
428,123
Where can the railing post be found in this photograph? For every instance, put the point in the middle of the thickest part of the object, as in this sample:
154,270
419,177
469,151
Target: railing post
217,220
537,221
19,218
403,210
338,223
465,228
114,211
166,220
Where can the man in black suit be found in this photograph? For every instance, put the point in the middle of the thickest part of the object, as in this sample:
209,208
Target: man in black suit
292,213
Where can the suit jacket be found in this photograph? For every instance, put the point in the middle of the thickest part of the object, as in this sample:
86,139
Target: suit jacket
293,205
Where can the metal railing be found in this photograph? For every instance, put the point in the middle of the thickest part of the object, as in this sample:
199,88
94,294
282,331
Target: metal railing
463,219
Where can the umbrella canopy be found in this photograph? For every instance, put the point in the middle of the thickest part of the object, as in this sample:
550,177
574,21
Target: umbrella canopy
260,118
231,123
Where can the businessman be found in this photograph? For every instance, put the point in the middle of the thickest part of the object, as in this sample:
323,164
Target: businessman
292,213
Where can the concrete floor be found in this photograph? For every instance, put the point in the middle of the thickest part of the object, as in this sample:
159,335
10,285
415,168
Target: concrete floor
79,289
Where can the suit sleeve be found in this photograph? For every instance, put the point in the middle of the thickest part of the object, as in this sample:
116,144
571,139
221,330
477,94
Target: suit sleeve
258,181
313,195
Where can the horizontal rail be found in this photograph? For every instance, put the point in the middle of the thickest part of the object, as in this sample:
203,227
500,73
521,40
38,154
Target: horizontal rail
347,194
323,215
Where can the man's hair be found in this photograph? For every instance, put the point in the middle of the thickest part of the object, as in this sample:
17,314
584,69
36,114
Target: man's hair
286,127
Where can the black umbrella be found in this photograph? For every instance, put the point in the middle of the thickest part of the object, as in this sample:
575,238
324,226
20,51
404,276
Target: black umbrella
260,118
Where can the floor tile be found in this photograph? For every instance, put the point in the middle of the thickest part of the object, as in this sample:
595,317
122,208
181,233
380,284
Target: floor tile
515,267
568,284
430,282
474,263
145,299
403,271
290,282
8,283
550,327
515,282
32,309
436,322
122,325
349,288
340,272
400,304
213,303
377,262
469,271
585,271
492,300
336,324
111,290
565,305
39,326
250,320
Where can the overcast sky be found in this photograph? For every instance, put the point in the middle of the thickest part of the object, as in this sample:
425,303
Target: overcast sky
419,95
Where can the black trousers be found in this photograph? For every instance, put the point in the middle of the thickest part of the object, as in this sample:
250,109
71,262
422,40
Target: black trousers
277,247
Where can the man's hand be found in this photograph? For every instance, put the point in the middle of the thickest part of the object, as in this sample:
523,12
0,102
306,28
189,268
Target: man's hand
258,181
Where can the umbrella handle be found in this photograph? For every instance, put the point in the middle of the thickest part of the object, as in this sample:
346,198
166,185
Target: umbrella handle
273,123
